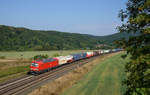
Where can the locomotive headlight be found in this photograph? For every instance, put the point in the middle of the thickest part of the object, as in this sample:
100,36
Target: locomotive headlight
36,65
36,69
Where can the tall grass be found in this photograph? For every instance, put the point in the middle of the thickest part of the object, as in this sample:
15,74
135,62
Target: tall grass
13,70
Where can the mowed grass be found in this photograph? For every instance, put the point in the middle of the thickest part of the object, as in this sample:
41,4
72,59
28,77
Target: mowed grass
104,79
30,54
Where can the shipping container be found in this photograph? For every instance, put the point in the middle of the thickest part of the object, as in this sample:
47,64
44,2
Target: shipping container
78,56
96,53
83,55
106,51
64,59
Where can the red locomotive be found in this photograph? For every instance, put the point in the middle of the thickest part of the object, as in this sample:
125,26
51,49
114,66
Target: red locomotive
40,66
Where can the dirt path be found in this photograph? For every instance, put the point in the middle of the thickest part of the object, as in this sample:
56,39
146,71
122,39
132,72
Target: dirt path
7,60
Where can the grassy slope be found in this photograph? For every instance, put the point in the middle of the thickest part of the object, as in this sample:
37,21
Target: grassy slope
104,79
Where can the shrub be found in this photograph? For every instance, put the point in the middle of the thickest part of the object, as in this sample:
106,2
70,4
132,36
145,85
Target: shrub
39,57
56,54
2,57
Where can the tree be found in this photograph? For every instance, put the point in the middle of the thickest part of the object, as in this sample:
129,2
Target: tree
136,19
40,57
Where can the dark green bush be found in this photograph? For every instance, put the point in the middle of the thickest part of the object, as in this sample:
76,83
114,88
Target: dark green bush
56,55
2,57
39,57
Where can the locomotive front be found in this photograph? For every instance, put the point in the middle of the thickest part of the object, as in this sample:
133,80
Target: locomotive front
34,68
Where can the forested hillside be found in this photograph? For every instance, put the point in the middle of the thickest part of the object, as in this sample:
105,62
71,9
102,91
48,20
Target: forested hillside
20,39
110,38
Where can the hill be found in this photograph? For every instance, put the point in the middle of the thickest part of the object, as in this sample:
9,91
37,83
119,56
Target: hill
20,39
111,38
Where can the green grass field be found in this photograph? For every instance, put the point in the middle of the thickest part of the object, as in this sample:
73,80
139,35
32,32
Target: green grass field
13,70
30,54
19,67
104,79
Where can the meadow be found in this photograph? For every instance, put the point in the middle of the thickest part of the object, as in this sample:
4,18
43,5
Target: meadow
104,79
30,54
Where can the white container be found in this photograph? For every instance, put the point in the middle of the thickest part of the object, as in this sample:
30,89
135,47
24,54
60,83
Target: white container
69,58
64,59
106,51
99,52
102,51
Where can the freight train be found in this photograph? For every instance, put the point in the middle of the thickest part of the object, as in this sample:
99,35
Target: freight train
45,65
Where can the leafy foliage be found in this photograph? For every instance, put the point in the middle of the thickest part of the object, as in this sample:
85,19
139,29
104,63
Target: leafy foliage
136,19
2,57
56,55
22,39
39,57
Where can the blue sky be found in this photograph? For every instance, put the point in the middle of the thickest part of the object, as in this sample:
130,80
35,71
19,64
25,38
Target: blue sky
96,17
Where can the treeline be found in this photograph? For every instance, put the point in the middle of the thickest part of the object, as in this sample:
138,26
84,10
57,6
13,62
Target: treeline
21,39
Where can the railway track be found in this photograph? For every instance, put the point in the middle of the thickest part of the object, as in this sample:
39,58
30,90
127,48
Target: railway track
24,84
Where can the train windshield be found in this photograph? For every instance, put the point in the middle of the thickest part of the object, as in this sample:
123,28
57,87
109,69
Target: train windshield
48,60
34,64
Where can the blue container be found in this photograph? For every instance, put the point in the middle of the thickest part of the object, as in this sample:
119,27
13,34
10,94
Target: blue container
78,56
83,55
75,57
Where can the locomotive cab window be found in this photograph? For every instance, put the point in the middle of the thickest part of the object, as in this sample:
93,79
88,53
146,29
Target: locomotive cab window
49,60
53,60
34,64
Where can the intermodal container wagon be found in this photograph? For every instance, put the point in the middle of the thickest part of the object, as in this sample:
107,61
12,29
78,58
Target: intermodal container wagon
64,59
